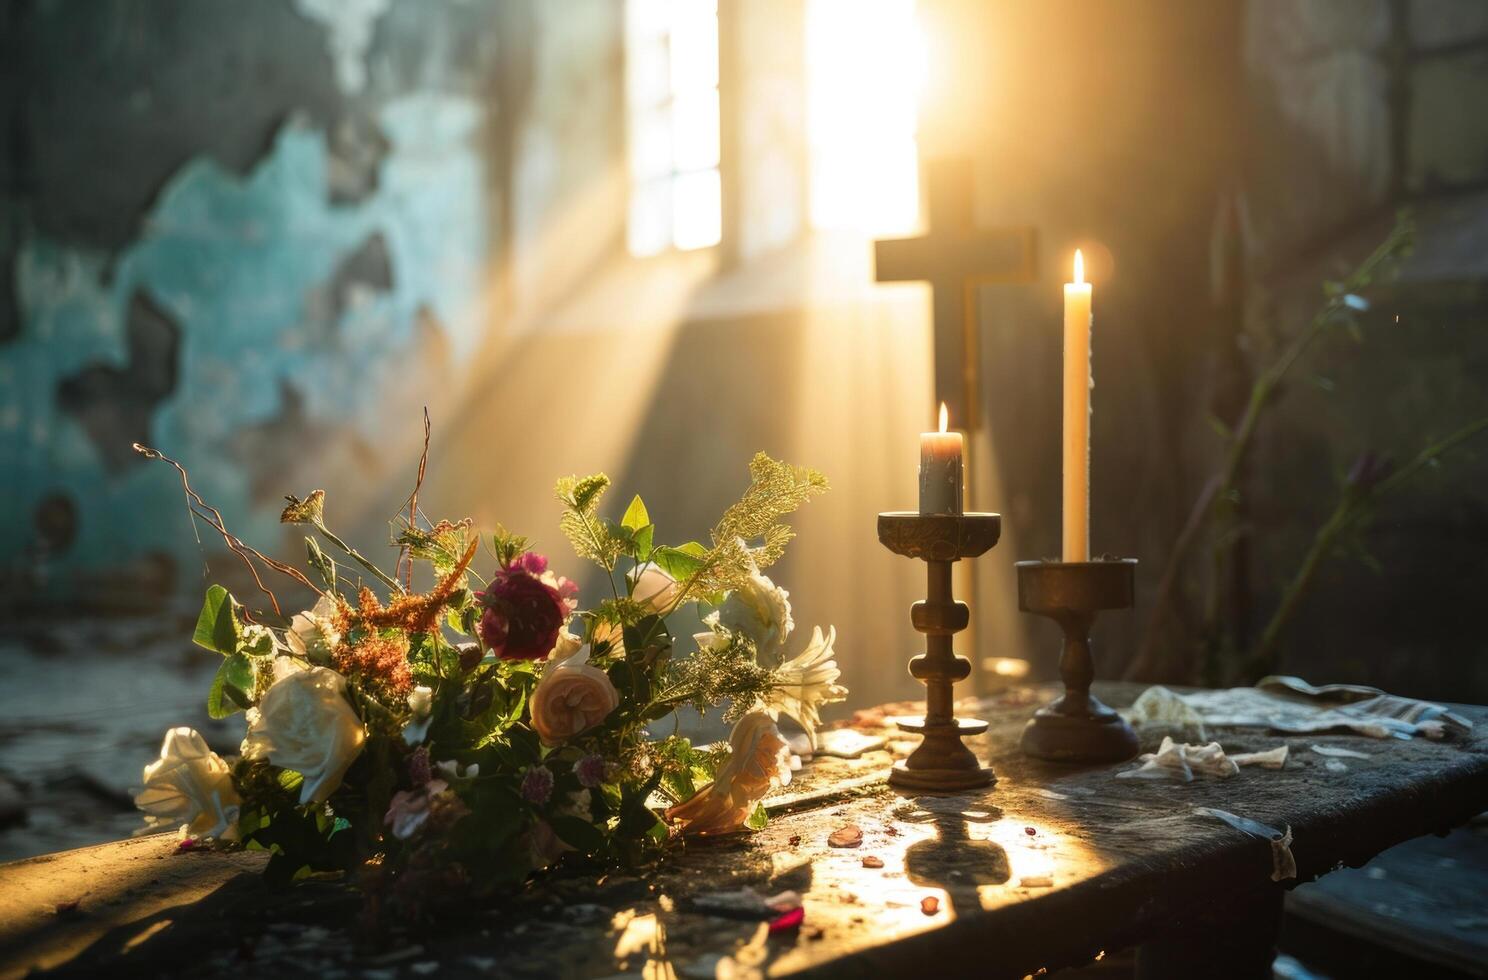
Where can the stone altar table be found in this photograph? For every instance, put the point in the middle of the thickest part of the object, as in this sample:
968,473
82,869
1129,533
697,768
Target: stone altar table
1049,868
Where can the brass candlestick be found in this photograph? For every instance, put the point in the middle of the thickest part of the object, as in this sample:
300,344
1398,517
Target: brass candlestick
941,762
1077,727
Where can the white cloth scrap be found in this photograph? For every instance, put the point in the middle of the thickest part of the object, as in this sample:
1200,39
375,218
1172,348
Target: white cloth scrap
1283,864
1186,761
1288,704
1160,706
1270,759
1339,753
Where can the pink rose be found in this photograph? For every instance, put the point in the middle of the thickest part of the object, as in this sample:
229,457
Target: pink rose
571,698
409,809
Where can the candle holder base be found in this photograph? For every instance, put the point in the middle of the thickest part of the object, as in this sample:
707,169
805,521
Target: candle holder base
1077,727
941,762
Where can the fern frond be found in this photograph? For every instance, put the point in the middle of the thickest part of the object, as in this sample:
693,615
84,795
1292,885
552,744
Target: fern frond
775,489
591,537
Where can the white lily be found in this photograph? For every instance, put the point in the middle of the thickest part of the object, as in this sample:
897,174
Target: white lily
806,682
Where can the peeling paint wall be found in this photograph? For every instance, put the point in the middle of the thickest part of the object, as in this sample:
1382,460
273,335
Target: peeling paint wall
241,234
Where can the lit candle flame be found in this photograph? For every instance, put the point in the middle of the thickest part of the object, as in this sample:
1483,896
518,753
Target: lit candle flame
944,416
1079,268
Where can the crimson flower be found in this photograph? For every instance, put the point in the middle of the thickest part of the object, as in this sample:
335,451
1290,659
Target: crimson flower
525,607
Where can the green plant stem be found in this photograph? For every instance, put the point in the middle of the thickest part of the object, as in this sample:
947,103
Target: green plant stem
357,557
1218,491
1352,508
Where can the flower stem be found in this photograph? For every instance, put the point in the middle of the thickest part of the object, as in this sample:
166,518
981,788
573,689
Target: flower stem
357,557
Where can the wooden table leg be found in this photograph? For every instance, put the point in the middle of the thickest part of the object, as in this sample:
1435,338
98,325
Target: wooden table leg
1237,940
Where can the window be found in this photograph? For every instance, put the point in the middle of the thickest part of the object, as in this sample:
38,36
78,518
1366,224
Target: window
865,67
673,126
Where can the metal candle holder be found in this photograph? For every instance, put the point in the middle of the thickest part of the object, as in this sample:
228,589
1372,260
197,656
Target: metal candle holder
1077,727
941,762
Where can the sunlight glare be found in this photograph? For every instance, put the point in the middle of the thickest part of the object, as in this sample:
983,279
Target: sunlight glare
865,72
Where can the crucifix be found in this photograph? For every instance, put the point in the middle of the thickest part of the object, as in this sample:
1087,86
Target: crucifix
956,258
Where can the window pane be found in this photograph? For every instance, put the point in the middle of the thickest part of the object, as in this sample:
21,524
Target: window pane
650,142
695,130
698,205
646,19
864,64
650,227
694,47
647,72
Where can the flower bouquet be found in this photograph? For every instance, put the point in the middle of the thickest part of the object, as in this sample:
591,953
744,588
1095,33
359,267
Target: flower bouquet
452,741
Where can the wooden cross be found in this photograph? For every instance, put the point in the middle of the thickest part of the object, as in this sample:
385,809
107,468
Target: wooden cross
955,257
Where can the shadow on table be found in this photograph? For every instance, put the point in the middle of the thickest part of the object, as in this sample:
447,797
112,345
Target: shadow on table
221,932
956,862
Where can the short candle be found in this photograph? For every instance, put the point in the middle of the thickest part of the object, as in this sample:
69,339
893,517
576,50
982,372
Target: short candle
940,469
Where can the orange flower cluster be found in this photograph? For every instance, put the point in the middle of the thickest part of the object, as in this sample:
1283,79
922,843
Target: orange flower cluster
417,613
381,660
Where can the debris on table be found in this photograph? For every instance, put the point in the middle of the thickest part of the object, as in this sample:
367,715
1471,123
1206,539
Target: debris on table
1187,761
1270,759
1338,752
1289,704
848,743
929,905
1283,864
746,903
1160,706
872,861
846,836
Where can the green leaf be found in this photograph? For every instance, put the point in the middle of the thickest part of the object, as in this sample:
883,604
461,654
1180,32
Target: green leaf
229,693
578,833
758,819
681,563
635,515
290,781
217,625
637,520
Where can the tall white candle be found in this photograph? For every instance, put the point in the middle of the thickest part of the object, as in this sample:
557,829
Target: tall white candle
940,469
1077,384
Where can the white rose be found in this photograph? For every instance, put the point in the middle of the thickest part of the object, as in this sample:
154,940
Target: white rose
306,724
571,698
806,682
312,634
759,759
654,589
760,610
190,784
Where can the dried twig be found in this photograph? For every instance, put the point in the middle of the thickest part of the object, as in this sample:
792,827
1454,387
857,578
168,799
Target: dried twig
412,503
199,508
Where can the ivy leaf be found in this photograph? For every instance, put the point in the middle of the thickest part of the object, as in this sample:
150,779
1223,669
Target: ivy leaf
217,626
758,819
229,693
